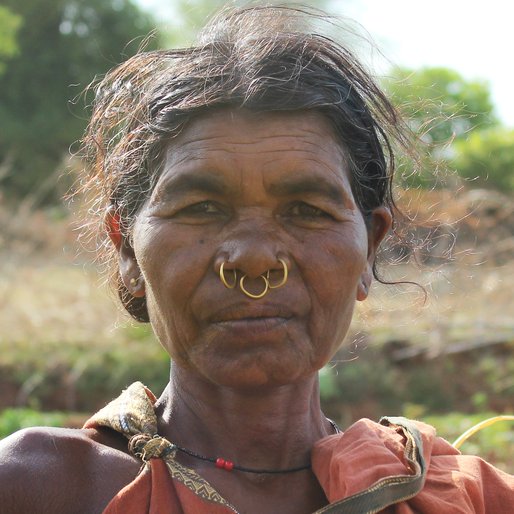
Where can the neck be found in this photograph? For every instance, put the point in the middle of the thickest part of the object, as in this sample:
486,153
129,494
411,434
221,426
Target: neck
273,428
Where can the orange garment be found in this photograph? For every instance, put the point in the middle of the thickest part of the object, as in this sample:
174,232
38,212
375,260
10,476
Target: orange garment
348,463
154,492
345,464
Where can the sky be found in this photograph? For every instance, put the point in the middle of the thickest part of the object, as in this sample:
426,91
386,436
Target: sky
473,37
476,38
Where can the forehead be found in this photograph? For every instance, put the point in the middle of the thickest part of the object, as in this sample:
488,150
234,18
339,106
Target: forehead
264,139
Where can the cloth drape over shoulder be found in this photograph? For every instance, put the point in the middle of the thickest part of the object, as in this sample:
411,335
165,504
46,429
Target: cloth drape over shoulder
396,466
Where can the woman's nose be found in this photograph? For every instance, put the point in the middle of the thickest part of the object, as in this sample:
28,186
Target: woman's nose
253,252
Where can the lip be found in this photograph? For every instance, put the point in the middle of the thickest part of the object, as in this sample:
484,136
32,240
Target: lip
248,313
249,320
252,326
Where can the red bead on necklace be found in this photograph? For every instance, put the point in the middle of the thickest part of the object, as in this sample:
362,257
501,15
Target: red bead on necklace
227,465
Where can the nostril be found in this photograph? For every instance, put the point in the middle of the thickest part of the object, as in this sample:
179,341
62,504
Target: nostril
280,275
225,261
253,261
228,276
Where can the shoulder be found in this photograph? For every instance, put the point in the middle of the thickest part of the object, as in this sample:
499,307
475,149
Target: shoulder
62,470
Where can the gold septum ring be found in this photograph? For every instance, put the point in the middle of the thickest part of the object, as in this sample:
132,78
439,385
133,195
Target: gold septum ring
265,278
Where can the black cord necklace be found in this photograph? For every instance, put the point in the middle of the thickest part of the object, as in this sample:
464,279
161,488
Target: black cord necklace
228,465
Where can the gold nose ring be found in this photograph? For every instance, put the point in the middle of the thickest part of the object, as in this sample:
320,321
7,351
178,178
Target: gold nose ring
224,280
265,278
284,278
251,295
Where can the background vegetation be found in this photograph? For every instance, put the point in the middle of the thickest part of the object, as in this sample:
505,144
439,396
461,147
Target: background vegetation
65,349
53,50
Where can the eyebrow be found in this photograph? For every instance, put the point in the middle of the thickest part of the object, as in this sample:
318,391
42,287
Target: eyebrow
307,185
209,182
189,182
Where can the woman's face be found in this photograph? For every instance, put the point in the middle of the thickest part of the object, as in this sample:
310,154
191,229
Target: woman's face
248,189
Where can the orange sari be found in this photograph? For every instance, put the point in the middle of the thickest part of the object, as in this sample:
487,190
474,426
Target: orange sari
394,467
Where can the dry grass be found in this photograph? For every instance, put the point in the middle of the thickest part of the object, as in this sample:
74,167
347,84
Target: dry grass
464,303
48,302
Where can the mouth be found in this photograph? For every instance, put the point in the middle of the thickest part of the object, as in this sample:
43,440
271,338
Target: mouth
248,317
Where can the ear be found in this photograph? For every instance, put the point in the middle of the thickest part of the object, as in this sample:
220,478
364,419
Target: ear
112,225
130,273
378,227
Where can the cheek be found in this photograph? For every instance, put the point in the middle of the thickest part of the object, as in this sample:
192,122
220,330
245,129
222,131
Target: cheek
173,264
336,268
336,263
171,259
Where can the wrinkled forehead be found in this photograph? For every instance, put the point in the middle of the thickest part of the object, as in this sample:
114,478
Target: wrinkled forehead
229,151
267,136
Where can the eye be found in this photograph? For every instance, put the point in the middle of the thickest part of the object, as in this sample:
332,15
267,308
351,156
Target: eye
206,208
307,211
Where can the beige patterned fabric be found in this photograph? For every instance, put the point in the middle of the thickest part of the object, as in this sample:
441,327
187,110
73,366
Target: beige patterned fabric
132,414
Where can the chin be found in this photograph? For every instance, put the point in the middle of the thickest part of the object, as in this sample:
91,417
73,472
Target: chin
258,369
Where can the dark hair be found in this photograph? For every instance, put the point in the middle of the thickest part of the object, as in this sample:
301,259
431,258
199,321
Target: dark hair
258,58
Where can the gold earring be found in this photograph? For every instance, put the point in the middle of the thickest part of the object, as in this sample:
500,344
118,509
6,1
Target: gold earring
224,280
135,282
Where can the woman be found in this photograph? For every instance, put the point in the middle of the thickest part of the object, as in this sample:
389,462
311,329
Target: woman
245,185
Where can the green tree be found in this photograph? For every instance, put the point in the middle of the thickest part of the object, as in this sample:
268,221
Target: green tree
9,25
440,103
63,44
444,109
487,158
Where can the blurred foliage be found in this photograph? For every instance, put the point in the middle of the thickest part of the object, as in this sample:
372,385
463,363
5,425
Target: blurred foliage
63,45
50,50
9,26
440,104
494,444
487,158
78,375
458,130
374,383
82,376
13,419
189,17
